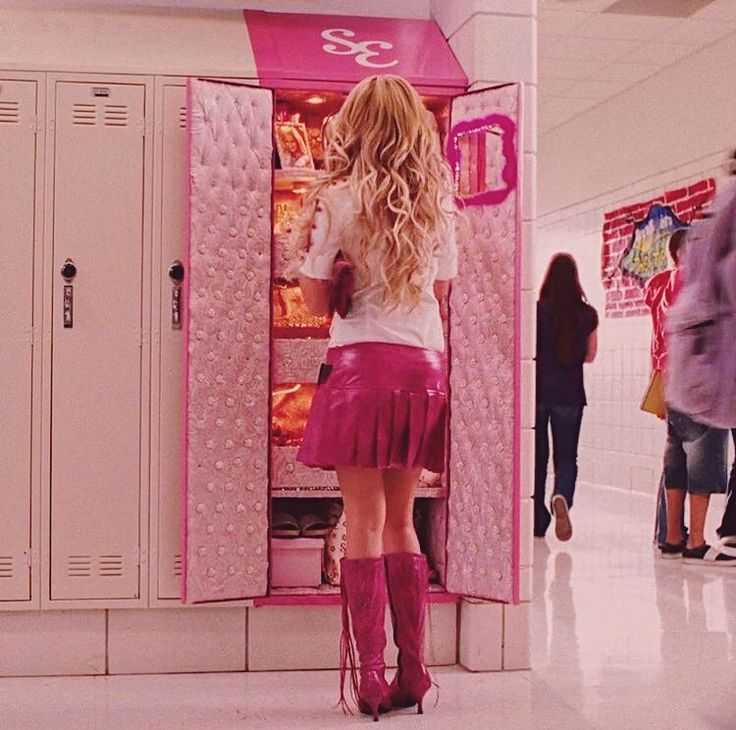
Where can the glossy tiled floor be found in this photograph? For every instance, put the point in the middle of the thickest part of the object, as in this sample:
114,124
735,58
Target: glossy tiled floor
621,639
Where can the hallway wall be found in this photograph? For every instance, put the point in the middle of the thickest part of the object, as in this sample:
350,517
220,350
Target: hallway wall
620,445
665,133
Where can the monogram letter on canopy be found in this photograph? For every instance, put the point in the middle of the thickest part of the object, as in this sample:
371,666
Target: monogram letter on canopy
361,51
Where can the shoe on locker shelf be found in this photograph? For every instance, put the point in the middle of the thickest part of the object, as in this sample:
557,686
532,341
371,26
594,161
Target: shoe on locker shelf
285,525
312,525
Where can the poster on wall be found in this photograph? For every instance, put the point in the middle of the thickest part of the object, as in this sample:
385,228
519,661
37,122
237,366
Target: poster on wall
635,239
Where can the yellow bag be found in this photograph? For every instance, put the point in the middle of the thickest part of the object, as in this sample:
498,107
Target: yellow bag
653,400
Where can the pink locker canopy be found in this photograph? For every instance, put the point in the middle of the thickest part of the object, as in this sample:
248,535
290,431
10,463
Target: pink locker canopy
226,523
334,52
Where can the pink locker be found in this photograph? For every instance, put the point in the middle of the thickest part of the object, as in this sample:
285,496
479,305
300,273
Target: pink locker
21,181
231,187
98,323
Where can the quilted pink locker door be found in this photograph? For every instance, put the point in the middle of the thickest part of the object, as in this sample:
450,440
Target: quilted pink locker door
97,364
228,331
483,511
17,215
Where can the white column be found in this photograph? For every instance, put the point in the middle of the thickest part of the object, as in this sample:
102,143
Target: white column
496,42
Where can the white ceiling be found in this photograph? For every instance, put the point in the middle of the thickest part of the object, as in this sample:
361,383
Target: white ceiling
587,56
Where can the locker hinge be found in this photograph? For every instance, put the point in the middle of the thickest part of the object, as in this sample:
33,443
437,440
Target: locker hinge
31,558
36,124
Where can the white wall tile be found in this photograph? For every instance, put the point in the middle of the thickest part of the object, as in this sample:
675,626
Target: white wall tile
38,643
451,15
529,275
528,404
527,532
498,47
441,634
300,637
529,194
528,324
527,463
481,636
516,654
293,637
530,118
176,640
525,578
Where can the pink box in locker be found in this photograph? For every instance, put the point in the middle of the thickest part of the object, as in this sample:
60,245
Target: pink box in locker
297,563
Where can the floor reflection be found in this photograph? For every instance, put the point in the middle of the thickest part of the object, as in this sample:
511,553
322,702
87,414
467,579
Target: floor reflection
627,638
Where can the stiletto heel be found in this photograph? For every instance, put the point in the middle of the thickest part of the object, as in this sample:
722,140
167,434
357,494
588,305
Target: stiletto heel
420,709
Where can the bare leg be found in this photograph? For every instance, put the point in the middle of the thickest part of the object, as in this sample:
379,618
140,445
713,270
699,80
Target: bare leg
675,511
365,510
698,511
399,535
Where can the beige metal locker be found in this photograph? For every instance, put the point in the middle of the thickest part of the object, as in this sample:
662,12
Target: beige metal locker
97,317
171,197
18,153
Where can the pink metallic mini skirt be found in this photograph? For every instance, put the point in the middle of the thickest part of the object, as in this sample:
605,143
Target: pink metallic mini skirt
378,406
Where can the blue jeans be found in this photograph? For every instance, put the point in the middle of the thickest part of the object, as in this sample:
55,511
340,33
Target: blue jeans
695,456
661,521
565,422
691,459
728,523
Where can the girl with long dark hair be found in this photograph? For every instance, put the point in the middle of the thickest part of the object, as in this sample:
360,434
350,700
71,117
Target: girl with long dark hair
567,337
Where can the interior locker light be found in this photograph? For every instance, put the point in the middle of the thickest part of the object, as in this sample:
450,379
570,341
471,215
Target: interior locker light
315,99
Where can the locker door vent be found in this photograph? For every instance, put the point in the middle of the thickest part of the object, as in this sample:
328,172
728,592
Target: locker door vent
85,114
6,566
9,112
111,566
182,117
79,566
116,115
177,566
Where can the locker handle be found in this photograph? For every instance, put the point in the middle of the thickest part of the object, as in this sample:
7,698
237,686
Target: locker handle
68,270
176,272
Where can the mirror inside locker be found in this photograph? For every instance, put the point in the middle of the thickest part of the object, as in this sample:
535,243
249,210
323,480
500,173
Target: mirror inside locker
483,159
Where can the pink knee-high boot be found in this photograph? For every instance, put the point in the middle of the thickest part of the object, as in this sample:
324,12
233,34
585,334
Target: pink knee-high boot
408,581
364,600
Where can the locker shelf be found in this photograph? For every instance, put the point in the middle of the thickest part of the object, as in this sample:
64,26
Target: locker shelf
334,492
327,595
294,181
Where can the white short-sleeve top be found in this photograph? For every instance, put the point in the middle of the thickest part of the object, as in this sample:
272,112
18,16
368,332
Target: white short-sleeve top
367,320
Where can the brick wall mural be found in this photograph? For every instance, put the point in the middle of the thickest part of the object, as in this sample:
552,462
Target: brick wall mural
635,243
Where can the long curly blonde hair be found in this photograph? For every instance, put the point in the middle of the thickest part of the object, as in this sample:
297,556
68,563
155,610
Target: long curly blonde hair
384,144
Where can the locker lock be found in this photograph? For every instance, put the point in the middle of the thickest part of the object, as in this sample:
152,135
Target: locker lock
68,270
176,272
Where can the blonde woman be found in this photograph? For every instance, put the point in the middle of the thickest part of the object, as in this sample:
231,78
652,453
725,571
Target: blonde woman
379,413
